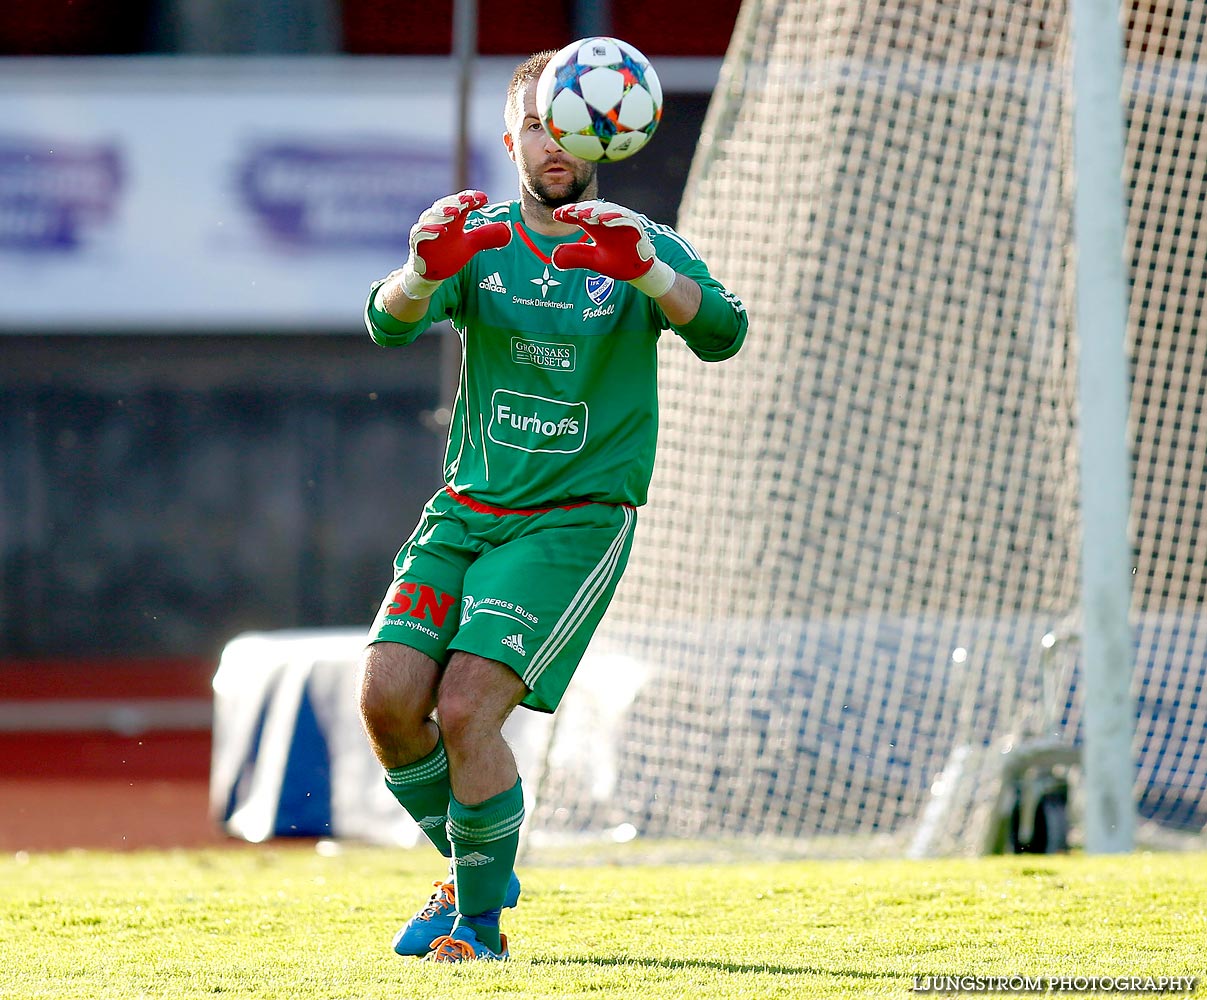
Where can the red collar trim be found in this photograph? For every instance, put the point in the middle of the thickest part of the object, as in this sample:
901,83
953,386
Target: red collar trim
534,248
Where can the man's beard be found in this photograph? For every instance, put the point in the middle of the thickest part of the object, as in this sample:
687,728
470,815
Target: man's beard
569,194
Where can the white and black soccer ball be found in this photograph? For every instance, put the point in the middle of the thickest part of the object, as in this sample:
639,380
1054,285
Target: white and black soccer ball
599,99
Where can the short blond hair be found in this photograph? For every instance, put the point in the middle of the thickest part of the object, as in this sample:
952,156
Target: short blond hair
529,70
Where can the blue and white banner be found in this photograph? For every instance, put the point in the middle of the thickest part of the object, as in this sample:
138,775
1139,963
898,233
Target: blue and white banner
259,194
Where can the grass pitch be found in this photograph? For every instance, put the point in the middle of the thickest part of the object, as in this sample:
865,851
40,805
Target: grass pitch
284,922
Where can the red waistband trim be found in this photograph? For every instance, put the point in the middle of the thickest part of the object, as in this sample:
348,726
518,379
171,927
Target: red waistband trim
485,508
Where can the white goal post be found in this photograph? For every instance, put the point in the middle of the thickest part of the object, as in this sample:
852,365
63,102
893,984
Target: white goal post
1101,291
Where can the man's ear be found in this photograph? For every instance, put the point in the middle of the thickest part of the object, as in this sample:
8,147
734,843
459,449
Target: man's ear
510,144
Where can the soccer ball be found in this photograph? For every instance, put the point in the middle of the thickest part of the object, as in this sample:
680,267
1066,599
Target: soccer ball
599,99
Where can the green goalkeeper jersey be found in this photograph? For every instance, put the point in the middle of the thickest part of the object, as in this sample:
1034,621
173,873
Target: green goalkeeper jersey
558,398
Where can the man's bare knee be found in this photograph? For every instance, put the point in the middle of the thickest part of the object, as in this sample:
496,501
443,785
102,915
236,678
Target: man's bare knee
397,692
476,696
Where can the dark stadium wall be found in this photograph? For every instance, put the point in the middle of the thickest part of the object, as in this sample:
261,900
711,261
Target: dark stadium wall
162,493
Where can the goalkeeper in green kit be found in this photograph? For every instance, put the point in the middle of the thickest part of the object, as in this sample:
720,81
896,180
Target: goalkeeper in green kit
559,300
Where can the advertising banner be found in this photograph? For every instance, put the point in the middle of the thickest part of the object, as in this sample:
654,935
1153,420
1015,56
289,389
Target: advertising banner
169,194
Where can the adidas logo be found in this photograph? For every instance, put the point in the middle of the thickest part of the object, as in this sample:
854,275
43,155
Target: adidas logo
493,283
515,642
431,822
473,859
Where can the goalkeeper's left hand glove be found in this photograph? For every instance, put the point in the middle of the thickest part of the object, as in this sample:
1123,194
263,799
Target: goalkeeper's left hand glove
621,248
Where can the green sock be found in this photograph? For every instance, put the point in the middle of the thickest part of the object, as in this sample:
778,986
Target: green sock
422,789
485,839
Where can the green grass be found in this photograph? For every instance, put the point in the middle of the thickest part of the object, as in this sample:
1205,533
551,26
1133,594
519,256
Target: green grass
285,922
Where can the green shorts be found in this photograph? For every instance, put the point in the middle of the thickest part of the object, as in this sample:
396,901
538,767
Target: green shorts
526,588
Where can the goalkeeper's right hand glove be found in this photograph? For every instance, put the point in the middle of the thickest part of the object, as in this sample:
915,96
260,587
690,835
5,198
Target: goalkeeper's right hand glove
440,246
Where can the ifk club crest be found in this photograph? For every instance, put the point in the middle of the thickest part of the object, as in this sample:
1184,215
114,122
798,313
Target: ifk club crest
599,287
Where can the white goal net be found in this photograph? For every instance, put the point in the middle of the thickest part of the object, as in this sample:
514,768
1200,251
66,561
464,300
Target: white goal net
855,592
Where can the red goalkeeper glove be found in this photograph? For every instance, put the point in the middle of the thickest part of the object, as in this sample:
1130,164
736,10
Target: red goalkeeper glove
440,246
620,249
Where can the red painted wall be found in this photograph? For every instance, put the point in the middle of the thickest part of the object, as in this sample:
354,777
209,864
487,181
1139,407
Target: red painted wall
36,690
668,27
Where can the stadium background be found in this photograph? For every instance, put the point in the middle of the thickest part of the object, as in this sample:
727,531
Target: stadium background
164,491
161,492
